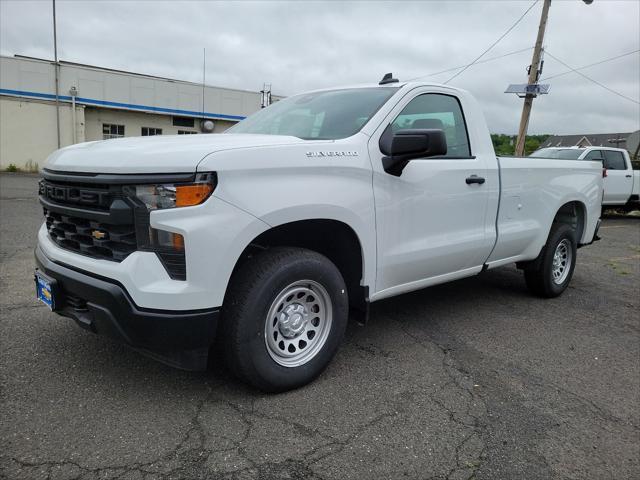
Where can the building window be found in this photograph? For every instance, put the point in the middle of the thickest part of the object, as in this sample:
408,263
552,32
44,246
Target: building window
150,131
186,132
183,122
112,131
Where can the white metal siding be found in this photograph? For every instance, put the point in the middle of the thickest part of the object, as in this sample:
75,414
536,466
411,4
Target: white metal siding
128,91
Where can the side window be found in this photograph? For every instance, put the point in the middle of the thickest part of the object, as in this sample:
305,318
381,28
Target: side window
433,110
151,131
112,131
614,160
594,155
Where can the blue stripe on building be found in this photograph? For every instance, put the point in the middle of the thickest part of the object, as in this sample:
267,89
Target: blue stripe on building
128,106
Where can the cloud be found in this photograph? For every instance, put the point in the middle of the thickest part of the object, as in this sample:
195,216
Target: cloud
297,46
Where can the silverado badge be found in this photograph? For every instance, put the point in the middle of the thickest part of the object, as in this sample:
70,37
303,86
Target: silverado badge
332,154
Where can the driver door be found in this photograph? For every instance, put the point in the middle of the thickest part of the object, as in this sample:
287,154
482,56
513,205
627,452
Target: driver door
430,222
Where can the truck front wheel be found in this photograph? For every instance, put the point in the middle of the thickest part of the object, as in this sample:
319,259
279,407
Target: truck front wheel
283,318
549,275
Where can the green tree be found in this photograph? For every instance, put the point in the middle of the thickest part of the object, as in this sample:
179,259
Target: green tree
505,145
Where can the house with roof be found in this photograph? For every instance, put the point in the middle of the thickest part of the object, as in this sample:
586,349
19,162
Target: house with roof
617,140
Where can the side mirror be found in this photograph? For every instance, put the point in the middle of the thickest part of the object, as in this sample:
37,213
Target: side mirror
403,146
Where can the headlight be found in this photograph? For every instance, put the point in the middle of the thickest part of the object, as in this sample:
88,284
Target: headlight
161,196
168,246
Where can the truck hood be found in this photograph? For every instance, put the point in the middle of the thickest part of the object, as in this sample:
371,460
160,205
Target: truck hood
157,154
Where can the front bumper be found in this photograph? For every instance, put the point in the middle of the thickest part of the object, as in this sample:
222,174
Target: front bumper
176,337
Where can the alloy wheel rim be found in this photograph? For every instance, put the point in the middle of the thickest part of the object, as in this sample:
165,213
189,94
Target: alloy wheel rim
298,323
562,258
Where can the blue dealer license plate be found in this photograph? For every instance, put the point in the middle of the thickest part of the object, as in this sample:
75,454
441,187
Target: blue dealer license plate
44,292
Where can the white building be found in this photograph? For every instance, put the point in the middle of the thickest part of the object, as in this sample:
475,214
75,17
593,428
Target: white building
108,103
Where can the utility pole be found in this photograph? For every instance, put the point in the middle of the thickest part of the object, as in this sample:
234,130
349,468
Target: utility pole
534,73
532,89
57,71
618,140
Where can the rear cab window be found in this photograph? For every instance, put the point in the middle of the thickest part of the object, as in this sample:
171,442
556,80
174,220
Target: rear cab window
614,160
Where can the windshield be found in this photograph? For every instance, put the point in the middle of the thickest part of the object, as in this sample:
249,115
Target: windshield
562,153
329,115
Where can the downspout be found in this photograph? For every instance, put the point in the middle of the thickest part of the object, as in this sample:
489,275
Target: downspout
57,71
73,92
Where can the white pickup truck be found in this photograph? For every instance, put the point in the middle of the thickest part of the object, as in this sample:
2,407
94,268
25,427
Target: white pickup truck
266,237
621,181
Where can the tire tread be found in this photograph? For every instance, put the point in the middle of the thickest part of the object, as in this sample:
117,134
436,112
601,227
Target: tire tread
537,274
242,287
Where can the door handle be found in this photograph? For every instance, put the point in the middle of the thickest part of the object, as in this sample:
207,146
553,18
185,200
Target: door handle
628,176
474,179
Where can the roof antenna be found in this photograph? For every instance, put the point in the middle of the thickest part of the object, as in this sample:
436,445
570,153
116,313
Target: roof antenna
388,78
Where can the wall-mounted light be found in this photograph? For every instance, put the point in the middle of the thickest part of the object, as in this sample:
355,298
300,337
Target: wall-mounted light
207,126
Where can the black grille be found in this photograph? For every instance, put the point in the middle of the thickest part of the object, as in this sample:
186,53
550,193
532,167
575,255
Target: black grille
94,215
97,197
95,239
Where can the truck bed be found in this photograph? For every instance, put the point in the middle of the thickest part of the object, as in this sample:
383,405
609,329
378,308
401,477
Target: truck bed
525,213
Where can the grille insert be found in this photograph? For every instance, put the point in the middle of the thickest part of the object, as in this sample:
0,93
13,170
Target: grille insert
95,239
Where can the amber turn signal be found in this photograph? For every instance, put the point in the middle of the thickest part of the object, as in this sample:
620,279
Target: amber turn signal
178,241
195,194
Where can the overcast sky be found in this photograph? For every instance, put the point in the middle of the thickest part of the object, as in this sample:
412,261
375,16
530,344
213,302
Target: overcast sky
298,45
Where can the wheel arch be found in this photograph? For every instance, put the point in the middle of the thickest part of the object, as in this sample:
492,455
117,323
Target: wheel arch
332,238
574,214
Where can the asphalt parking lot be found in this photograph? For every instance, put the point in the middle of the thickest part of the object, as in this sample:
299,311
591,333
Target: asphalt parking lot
474,379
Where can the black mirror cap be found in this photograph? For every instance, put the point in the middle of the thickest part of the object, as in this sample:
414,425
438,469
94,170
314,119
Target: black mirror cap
405,145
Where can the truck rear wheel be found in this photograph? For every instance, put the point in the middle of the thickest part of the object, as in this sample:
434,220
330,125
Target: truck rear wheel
283,318
549,275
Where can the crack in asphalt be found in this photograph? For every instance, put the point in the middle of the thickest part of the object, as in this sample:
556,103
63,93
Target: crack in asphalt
21,306
9,252
189,457
454,373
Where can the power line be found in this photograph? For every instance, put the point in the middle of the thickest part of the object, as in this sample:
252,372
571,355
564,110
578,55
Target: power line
590,65
477,63
494,43
592,80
